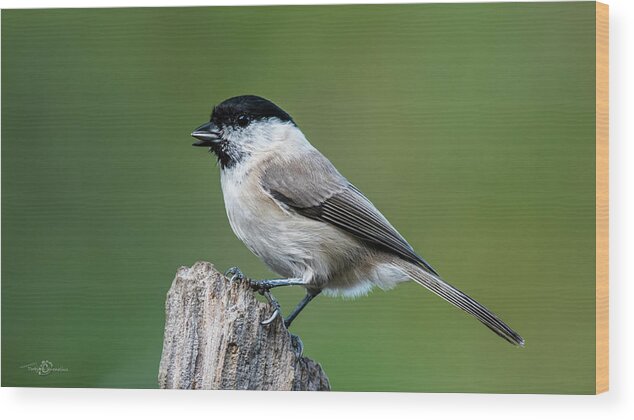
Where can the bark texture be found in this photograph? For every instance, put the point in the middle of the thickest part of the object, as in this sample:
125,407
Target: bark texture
213,339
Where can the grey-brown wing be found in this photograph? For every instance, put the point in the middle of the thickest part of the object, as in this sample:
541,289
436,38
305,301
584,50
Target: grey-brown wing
314,188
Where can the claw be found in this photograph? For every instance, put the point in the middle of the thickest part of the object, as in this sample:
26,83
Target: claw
267,294
276,313
235,274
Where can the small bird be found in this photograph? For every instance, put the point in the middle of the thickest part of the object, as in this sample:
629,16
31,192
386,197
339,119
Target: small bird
294,210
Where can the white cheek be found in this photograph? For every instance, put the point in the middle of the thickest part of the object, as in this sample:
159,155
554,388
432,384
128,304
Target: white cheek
238,136
257,137
263,137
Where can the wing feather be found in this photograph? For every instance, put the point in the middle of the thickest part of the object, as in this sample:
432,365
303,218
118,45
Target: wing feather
318,191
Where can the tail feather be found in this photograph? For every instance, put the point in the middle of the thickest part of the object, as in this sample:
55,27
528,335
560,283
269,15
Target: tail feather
464,302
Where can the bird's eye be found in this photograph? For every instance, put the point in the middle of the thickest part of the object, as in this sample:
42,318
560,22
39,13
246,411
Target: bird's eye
243,120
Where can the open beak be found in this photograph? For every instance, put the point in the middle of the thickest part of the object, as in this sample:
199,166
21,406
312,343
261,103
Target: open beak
207,135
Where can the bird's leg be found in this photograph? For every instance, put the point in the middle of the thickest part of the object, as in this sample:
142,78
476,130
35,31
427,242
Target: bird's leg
270,284
310,295
234,273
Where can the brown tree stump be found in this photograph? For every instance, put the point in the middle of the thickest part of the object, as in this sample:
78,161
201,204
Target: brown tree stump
213,339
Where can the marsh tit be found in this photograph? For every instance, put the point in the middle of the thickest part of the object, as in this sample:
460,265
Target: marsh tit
294,210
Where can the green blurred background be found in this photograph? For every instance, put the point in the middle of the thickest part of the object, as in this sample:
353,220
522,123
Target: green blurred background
471,126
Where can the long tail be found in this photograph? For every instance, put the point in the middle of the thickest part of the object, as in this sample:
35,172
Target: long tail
462,301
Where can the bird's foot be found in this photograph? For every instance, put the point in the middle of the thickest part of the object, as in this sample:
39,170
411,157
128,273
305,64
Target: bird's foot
277,311
264,287
234,274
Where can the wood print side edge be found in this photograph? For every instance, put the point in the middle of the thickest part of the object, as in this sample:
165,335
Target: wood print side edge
602,198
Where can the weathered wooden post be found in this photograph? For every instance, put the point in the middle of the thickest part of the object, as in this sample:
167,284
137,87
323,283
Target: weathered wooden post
213,339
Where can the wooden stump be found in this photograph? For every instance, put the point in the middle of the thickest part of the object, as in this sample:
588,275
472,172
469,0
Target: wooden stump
213,339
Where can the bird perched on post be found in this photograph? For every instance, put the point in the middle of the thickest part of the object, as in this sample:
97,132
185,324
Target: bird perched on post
294,210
